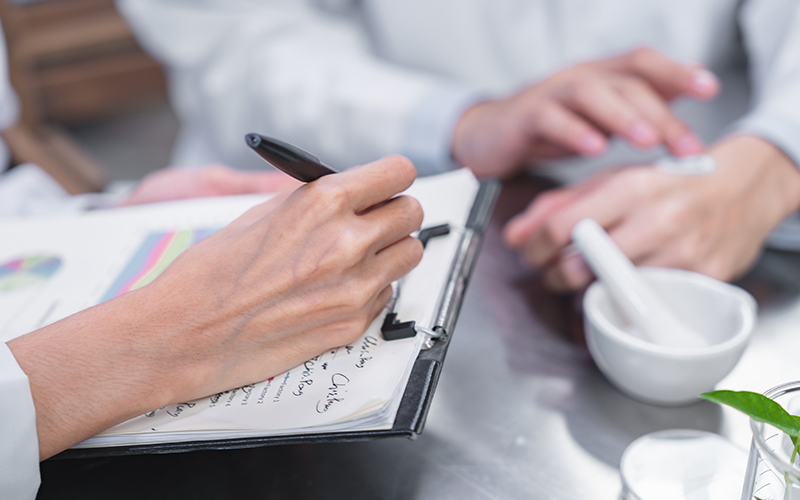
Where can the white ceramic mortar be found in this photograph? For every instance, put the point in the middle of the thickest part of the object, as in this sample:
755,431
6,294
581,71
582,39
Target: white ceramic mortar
723,314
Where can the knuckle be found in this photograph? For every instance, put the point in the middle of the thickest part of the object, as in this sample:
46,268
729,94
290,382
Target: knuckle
348,330
642,57
638,181
329,193
668,221
584,93
353,242
412,210
352,296
409,255
672,126
361,296
415,252
555,231
543,116
688,252
338,259
635,89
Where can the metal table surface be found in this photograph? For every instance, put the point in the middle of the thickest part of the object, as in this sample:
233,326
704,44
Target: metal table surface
521,411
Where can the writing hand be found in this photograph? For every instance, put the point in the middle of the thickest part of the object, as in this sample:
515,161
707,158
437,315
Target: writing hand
286,281
714,224
574,111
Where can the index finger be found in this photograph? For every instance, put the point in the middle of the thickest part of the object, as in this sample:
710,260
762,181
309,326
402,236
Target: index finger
608,203
669,77
373,183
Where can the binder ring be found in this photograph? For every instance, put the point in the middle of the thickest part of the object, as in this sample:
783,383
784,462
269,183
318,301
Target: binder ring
427,331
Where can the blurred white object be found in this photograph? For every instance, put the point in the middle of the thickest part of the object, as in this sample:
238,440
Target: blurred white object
682,464
27,190
689,165
772,469
642,307
724,314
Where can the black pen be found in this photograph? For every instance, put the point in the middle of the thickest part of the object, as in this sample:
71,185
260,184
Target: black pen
289,159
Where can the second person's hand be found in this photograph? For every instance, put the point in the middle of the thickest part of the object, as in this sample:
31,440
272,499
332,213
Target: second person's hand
715,224
574,111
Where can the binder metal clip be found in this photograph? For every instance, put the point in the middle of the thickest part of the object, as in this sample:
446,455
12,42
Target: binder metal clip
393,328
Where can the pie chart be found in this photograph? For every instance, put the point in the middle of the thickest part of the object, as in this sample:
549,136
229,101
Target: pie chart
27,271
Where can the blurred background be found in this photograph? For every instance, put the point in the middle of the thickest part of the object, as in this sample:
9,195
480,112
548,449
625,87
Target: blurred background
90,98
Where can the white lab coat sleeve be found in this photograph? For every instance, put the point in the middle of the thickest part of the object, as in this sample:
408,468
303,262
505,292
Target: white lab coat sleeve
28,190
291,69
771,34
19,443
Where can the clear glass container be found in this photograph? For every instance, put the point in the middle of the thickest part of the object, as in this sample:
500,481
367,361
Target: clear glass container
772,471
682,464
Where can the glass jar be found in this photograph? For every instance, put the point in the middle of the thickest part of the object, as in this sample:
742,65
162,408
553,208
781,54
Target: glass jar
773,470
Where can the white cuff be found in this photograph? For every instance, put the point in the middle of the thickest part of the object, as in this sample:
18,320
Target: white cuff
429,130
19,451
28,190
783,132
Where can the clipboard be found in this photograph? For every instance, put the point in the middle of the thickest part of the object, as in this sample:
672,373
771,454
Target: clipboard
418,395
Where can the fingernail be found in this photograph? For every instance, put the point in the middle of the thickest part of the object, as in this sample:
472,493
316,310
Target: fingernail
592,143
703,83
642,133
687,144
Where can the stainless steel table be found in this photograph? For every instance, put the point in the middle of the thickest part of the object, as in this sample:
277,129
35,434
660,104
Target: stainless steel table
521,411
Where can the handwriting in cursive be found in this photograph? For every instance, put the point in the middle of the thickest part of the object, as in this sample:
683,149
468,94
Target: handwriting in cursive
365,350
335,392
306,376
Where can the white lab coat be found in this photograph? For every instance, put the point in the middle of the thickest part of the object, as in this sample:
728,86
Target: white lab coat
352,80
19,443
25,190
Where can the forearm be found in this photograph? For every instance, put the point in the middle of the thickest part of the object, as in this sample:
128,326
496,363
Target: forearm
91,371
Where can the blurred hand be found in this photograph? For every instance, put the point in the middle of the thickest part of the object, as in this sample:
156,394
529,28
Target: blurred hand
215,180
574,111
714,224
278,286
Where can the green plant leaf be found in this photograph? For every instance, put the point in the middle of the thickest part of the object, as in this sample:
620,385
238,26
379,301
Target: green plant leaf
758,407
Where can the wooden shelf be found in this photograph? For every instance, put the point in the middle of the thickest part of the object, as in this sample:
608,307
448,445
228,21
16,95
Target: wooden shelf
72,61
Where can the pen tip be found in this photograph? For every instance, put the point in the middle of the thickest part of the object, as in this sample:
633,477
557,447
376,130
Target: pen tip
252,140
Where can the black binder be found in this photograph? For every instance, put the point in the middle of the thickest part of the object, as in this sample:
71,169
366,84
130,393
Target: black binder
410,419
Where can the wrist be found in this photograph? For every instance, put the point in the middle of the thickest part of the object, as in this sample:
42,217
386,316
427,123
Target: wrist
489,139
466,138
753,165
89,372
